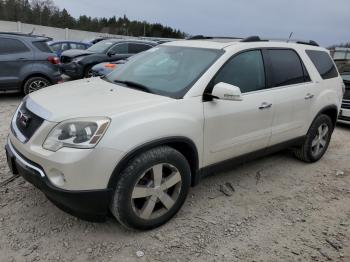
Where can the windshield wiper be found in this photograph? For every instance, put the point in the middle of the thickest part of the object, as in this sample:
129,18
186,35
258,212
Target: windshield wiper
134,85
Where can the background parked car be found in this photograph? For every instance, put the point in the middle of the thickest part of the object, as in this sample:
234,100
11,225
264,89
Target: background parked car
78,63
60,46
344,116
105,68
27,63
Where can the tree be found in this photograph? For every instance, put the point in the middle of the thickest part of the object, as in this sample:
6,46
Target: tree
45,12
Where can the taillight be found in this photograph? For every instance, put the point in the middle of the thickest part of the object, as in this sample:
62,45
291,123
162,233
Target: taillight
53,60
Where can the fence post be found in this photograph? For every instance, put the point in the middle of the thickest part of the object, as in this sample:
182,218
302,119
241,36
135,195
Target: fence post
19,27
67,34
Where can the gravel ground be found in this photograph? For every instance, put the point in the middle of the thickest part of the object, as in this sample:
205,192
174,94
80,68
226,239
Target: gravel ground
281,210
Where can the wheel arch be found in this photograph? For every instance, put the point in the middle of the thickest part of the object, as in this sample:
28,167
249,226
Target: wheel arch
331,111
182,144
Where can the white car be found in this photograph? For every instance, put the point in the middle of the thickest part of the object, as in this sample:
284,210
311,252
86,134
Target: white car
135,141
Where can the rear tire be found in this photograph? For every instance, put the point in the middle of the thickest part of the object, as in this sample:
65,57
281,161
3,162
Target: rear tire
316,141
151,189
34,84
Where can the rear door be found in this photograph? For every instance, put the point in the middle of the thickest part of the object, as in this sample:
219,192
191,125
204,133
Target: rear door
294,94
15,57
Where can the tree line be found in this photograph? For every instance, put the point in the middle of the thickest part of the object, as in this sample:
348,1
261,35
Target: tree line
46,13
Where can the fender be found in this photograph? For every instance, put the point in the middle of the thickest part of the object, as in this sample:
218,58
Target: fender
328,111
170,141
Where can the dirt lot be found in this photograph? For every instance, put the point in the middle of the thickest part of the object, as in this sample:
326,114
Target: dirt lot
281,210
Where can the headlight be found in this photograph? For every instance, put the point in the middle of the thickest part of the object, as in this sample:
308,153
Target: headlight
77,133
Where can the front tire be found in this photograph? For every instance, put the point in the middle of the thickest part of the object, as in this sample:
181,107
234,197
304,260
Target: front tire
317,140
151,189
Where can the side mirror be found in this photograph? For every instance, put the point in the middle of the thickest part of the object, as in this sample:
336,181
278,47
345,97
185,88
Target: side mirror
110,53
227,92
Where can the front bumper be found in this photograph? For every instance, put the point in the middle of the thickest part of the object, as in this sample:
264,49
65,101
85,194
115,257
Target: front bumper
87,204
344,116
72,70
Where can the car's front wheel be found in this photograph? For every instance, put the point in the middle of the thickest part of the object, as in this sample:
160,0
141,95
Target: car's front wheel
151,189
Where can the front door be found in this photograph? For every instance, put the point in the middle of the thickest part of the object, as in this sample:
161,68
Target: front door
235,128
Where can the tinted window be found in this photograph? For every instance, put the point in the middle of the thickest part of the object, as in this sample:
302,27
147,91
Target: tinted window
286,68
77,46
56,47
245,70
120,49
10,46
323,63
42,46
137,48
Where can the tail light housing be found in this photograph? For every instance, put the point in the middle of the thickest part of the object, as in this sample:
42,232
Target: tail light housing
53,60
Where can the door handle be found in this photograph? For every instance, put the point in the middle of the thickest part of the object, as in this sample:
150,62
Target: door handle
265,106
309,96
21,59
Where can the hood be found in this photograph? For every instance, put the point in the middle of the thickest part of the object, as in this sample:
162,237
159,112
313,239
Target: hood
76,52
89,98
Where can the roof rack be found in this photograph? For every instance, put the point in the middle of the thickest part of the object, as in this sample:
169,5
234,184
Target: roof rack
26,34
202,37
258,39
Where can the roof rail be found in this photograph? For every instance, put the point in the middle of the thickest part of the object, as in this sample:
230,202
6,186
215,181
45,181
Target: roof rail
202,37
258,39
25,34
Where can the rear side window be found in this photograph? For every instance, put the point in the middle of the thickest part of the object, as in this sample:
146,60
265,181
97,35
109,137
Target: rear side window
120,49
137,48
286,68
12,46
42,46
245,70
323,63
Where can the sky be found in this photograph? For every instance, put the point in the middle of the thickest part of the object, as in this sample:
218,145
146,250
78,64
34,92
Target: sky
325,21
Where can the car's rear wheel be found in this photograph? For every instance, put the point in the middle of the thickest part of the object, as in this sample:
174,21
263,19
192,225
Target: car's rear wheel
317,140
151,189
34,84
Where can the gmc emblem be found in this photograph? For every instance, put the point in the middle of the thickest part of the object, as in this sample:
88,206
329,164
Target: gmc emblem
23,119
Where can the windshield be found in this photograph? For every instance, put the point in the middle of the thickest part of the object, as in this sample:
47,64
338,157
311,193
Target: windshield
166,70
101,47
339,55
346,77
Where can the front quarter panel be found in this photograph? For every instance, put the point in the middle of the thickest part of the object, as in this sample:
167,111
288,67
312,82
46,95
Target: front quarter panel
177,118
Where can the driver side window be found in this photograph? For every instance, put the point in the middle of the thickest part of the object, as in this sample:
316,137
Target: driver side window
245,70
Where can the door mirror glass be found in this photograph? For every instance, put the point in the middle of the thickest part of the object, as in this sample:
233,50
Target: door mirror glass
227,92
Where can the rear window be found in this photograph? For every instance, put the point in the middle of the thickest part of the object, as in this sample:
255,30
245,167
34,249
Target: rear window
287,68
42,46
12,46
137,48
323,63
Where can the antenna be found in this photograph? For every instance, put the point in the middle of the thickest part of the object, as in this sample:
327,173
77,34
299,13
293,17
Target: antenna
290,36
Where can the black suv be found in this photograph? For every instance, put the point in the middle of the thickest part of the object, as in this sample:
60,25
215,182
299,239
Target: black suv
27,63
78,63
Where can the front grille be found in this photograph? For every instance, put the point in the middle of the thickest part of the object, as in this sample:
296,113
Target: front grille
65,59
347,93
27,122
345,104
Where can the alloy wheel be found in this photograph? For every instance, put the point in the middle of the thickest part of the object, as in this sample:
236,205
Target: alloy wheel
319,143
37,85
156,191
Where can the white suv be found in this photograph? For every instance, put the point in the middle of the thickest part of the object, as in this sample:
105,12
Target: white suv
134,141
